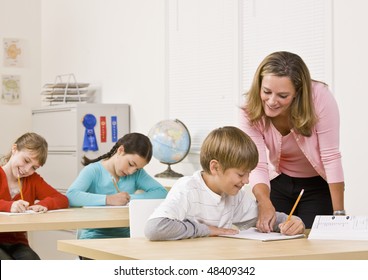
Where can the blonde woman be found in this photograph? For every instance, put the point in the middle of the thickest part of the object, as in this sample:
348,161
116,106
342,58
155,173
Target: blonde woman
294,122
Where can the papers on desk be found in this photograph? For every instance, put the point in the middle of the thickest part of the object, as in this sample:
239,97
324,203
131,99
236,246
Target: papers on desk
23,213
32,212
253,233
107,206
339,228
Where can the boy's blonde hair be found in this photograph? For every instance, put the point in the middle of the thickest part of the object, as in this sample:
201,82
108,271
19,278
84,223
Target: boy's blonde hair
231,147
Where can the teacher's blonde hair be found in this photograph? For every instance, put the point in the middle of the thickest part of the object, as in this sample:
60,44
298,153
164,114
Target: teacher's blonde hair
284,64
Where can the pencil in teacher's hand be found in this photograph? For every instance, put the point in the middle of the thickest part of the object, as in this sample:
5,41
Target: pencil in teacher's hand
20,188
296,203
115,184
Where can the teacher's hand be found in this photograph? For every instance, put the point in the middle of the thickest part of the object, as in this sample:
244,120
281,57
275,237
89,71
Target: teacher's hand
266,216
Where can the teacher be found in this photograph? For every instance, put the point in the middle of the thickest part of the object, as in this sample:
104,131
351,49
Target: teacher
294,122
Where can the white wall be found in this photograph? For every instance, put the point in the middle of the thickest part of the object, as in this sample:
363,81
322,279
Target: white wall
351,91
20,19
116,45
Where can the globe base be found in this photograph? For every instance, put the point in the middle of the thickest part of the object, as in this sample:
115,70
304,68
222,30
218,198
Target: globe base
169,173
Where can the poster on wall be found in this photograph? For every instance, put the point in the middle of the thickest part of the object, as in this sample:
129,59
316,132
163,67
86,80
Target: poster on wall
13,52
10,89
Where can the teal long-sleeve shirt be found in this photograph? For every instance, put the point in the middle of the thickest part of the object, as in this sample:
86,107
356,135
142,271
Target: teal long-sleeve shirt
94,183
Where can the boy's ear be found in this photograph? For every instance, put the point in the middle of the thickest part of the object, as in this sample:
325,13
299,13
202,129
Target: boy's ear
214,166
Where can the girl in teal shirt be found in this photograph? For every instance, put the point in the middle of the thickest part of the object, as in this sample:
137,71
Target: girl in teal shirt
113,179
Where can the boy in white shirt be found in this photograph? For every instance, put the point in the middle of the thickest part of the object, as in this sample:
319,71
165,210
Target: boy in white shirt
212,201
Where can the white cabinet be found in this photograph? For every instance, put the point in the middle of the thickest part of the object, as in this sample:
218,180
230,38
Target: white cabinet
45,243
62,127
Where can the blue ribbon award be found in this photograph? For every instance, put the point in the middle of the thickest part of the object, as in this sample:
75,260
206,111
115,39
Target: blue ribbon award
89,141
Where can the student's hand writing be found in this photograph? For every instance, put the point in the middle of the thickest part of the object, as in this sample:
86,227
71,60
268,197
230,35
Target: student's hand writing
266,217
292,227
38,208
19,206
118,199
215,231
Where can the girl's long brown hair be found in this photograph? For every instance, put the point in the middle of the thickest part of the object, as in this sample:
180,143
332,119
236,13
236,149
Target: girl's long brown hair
133,143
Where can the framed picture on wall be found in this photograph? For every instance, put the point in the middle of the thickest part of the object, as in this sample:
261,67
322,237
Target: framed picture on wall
13,52
10,89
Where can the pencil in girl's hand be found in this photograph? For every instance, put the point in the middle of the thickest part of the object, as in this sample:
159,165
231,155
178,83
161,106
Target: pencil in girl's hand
296,203
20,188
115,184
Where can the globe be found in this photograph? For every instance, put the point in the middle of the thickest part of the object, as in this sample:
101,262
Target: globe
171,144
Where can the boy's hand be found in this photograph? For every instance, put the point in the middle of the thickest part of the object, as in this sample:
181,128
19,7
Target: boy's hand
215,231
292,227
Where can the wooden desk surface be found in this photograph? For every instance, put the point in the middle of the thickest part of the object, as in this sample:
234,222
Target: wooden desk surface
72,218
214,248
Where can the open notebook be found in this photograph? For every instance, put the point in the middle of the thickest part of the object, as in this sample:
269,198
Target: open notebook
253,233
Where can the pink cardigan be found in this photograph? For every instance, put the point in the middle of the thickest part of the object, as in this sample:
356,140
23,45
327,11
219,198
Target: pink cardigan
321,148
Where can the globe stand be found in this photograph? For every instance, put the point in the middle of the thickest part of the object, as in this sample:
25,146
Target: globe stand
168,173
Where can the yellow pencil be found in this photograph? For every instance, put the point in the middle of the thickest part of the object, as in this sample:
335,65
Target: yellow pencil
296,203
20,188
115,185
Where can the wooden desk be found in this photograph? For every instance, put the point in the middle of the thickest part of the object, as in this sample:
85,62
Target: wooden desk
217,248
72,218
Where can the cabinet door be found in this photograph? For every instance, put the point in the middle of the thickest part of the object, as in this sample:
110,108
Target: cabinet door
45,243
58,127
60,169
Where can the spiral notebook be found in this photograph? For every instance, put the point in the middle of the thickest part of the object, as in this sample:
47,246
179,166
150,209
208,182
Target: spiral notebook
339,228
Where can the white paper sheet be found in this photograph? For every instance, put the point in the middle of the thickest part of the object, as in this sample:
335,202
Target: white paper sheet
107,206
253,233
33,212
